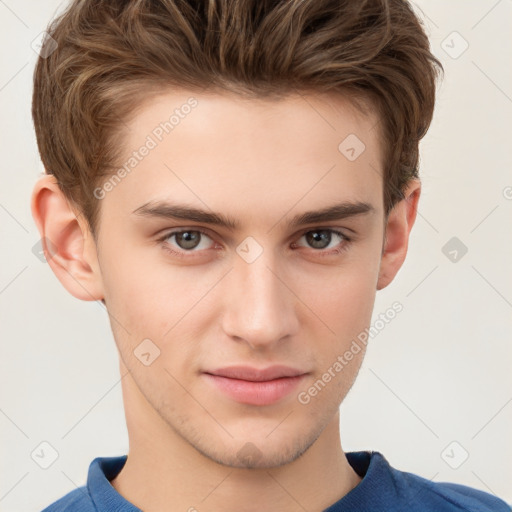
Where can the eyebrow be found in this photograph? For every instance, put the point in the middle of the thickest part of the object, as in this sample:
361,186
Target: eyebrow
184,212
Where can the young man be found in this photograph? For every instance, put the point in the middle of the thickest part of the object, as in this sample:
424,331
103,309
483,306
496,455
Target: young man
235,180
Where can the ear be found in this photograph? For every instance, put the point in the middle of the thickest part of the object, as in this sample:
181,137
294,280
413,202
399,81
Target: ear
398,227
66,240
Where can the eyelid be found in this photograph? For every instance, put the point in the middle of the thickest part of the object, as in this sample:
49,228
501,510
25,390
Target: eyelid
338,249
174,231
163,234
321,252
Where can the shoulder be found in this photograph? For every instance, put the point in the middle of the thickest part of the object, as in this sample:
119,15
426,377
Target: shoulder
386,488
460,497
78,500
420,494
98,493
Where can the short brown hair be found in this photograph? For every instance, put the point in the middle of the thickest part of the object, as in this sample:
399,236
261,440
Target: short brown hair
112,53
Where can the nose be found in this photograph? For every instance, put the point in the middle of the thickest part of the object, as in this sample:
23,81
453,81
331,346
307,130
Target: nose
260,305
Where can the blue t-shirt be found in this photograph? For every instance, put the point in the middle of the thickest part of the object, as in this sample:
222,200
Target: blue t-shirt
382,489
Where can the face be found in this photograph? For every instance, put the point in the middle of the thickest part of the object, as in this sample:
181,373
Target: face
269,286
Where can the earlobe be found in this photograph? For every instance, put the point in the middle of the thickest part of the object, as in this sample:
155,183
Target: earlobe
398,228
66,241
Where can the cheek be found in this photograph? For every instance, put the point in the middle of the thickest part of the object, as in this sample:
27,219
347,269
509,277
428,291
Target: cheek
344,301
348,314
133,295
343,298
136,288
156,301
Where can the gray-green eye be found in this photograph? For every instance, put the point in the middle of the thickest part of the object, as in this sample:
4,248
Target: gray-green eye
188,239
321,238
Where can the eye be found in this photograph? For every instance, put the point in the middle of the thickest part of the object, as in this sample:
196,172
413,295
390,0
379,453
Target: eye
193,241
186,240
321,239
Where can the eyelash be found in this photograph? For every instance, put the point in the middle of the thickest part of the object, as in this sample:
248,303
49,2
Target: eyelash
183,254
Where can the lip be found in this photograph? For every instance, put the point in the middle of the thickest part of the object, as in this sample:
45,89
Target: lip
257,374
256,386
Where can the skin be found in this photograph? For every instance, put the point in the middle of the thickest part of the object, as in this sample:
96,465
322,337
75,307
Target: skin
260,162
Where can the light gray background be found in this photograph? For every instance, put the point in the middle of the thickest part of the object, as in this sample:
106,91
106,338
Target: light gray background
438,373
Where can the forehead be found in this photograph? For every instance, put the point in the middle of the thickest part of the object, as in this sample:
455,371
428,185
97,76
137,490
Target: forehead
259,156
